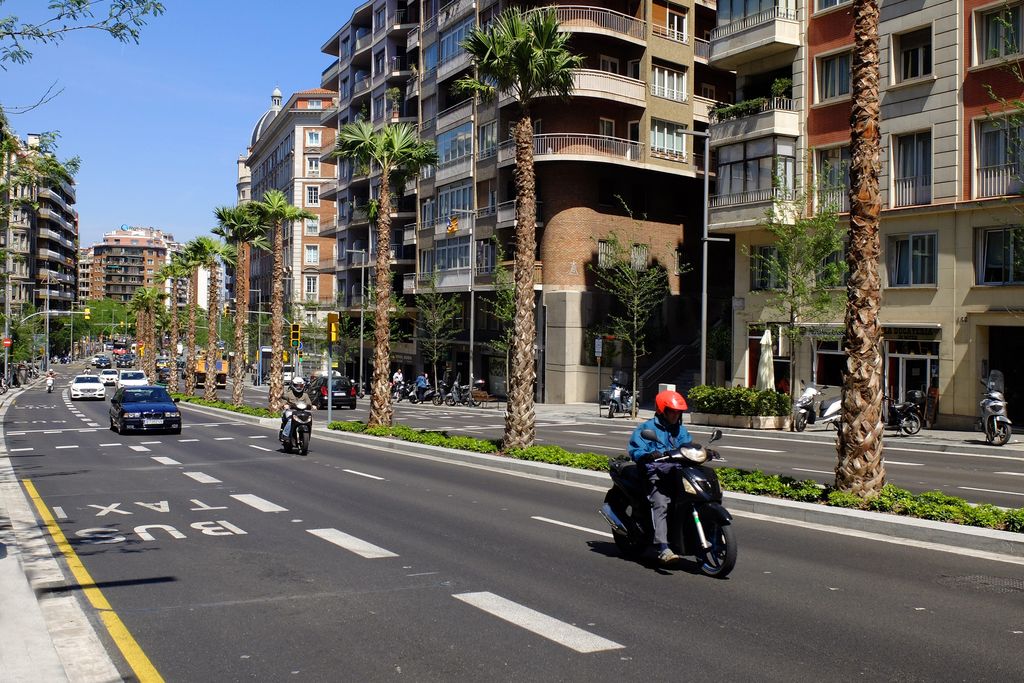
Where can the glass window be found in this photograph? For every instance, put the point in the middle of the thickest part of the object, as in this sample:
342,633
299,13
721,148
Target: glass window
488,140
311,285
312,195
825,4
834,76
313,167
668,83
606,127
450,41
915,54
911,260
454,197
452,253
752,166
762,274
1002,30
455,144
312,226
313,138
1001,256
668,138
315,104
312,254
913,182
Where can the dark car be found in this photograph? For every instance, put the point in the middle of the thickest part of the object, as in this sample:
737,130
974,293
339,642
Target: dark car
125,361
102,362
144,408
343,392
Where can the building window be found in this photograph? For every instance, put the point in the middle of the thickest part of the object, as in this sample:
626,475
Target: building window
913,182
1001,256
604,254
606,127
639,256
312,138
486,254
833,76
668,83
455,144
763,276
378,107
312,167
311,286
834,178
488,142
1001,33
312,255
312,226
707,91
749,170
380,18
911,260
453,200
450,42
1000,158
915,54
825,4
668,139
608,64
452,253
314,104
312,195
675,26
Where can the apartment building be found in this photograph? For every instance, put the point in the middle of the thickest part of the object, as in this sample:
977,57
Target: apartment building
644,86
289,151
85,261
126,259
950,181
42,237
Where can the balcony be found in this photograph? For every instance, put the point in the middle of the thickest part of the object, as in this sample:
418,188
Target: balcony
452,115
999,181
744,210
454,168
329,116
913,191
583,19
454,64
702,107
361,85
453,11
55,197
506,214
329,190
409,283
55,217
328,226
409,235
329,76
670,34
701,50
837,199
761,117
576,147
604,85
412,41
755,37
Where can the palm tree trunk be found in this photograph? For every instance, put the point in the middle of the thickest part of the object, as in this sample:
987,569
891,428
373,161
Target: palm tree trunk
151,343
860,469
190,344
212,352
172,382
520,418
381,410
276,389
241,317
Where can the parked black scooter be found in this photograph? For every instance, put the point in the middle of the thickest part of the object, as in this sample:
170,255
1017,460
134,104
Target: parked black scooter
698,524
905,417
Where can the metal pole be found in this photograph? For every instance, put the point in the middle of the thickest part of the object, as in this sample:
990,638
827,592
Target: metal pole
472,300
9,267
330,377
71,353
362,314
46,358
704,269
259,337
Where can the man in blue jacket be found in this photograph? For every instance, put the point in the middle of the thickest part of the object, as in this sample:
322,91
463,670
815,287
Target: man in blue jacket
662,477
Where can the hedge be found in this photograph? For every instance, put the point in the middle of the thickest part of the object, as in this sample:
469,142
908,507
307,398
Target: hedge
245,410
738,401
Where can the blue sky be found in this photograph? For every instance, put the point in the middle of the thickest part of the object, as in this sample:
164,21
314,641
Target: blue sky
159,125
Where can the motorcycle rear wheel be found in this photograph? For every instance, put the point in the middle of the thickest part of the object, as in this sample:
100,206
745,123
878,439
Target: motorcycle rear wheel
801,422
1001,434
449,400
911,424
632,545
720,558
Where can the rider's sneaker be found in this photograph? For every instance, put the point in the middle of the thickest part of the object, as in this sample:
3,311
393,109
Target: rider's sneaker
667,556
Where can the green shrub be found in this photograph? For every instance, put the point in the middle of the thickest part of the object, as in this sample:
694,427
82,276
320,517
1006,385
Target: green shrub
842,499
244,410
556,455
891,499
1015,520
347,426
738,401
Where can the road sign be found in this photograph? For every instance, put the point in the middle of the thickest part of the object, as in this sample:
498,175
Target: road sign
598,347
7,342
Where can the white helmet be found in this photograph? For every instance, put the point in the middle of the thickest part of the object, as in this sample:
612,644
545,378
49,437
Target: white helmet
298,383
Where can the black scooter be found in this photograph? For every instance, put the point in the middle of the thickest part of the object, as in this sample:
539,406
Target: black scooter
698,524
300,429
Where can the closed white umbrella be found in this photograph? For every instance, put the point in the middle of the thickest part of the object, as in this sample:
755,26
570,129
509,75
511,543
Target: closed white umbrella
766,366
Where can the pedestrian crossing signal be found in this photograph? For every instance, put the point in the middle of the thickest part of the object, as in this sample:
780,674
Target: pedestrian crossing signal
87,314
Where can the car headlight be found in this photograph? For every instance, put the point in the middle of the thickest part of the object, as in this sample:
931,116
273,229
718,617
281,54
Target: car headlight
133,414
174,414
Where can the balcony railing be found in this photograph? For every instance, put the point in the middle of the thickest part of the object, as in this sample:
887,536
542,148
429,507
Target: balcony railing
668,93
752,197
454,167
671,34
413,39
912,191
454,114
765,17
752,107
456,62
838,199
583,18
596,83
701,49
453,10
1000,180
576,144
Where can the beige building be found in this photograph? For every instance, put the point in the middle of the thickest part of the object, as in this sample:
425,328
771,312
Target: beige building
952,245
126,259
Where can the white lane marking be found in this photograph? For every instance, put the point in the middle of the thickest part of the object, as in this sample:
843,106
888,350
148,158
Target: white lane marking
630,431
801,469
547,627
110,444
362,474
60,447
573,526
144,443
1013,474
603,448
164,460
52,431
15,433
747,448
352,544
576,431
908,464
261,436
58,511
224,438
202,478
252,445
140,449
91,424
187,440
16,450
1009,493
260,504
83,431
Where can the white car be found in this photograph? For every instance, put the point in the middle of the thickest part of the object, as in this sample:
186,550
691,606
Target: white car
131,378
108,377
87,386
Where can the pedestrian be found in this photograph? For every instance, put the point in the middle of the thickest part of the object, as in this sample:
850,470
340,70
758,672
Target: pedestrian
397,378
421,386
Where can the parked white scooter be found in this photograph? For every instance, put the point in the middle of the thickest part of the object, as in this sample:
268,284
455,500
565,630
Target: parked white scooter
830,410
803,409
994,421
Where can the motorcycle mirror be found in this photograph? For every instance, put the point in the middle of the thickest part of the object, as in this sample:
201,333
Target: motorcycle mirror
649,434
715,436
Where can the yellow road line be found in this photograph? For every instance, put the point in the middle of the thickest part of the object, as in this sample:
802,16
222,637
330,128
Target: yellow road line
133,654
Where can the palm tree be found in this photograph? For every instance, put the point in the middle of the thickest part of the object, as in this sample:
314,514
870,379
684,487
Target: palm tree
144,303
240,228
522,54
191,264
398,151
860,469
175,271
274,213
209,252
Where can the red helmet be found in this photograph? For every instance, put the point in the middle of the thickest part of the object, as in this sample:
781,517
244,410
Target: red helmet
669,399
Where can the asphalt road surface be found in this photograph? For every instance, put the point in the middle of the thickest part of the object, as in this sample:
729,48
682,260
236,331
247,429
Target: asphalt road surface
228,560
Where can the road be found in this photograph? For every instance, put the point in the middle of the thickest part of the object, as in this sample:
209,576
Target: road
226,560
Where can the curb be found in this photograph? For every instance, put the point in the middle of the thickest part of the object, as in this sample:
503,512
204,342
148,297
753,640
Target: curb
886,525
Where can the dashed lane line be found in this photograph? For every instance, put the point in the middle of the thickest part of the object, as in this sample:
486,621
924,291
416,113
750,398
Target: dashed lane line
573,526
603,448
1008,493
140,449
187,440
202,477
148,443
105,445
363,474
260,504
60,447
260,448
224,438
352,544
164,460
17,450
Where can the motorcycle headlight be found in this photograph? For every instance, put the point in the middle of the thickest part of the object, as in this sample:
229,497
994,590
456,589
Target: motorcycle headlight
133,414
690,488
697,455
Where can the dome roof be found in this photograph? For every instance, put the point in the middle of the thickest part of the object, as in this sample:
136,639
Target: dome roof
267,118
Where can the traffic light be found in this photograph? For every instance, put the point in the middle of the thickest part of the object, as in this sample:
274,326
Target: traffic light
333,331
87,314
296,334
453,225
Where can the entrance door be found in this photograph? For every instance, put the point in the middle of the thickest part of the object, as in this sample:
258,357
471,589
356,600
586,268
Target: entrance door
1004,344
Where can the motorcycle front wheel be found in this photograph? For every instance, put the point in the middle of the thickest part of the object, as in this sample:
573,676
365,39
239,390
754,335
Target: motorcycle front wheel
449,400
801,422
1001,434
303,442
911,424
720,557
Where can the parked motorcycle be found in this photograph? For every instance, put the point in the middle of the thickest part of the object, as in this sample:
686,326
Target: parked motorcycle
402,391
994,421
297,429
830,410
620,400
698,524
461,395
803,410
439,394
906,416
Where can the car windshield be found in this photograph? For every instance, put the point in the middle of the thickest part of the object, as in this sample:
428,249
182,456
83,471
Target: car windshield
87,379
132,375
148,395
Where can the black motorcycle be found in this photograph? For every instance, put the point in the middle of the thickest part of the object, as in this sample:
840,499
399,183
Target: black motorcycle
905,417
698,524
300,429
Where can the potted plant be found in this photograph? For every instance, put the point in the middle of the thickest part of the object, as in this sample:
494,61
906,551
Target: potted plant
394,96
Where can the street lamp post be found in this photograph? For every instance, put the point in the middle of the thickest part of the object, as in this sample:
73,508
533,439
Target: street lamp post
362,306
259,336
46,348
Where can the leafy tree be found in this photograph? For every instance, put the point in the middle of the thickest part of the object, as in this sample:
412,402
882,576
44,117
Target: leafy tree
860,469
801,268
523,54
122,19
436,312
397,150
638,288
